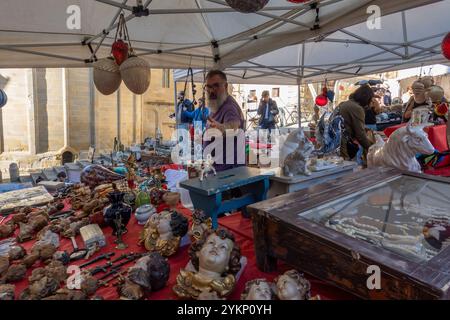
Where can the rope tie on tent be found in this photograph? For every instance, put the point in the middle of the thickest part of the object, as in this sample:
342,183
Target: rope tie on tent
317,21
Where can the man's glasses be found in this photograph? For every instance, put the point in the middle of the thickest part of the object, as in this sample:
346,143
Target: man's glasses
214,86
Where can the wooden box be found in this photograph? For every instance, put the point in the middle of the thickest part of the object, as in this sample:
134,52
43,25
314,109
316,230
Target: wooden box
347,230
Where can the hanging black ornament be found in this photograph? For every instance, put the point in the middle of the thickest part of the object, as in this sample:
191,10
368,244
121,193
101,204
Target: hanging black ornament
247,6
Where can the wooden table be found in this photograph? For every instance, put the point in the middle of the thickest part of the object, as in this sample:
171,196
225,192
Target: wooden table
208,194
280,184
293,227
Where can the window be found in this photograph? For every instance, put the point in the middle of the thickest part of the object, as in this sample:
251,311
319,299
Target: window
166,78
275,92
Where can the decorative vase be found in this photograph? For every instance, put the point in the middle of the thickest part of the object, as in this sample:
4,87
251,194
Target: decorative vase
3,98
142,198
107,76
136,74
247,6
143,213
117,209
171,199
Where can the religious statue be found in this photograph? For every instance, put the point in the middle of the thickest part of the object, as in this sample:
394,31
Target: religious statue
292,285
203,167
200,223
401,149
163,232
258,289
216,260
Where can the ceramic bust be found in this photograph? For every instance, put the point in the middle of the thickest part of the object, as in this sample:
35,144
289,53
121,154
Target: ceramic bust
400,150
216,260
200,223
150,273
292,285
258,289
163,232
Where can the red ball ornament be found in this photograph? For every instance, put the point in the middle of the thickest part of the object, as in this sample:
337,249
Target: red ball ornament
297,1
120,51
446,46
321,101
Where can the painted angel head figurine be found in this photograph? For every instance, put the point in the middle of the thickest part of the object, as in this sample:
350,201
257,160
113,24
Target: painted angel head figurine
258,289
216,261
292,285
163,232
200,223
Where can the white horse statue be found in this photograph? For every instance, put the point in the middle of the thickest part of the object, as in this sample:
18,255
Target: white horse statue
295,153
400,150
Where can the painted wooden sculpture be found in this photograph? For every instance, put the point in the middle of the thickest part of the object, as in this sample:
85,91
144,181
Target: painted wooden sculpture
400,150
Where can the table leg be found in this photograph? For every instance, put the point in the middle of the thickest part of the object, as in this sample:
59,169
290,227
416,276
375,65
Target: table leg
209,204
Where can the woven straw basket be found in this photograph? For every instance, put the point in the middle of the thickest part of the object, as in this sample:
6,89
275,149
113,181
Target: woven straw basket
136,74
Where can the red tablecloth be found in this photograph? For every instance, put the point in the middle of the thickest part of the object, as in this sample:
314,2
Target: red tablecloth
241,228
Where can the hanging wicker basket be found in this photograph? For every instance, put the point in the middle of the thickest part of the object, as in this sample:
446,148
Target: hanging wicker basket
436,93
247,6
136,74
107,77
3,98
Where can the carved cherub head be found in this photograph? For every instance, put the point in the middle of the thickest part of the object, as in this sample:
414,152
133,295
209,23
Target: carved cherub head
258,289
216,251
292,285
200,223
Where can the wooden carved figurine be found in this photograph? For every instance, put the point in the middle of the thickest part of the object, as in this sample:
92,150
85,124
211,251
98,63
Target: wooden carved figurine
400,150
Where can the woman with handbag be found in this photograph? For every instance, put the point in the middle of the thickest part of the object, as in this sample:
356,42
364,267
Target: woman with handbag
353,113
267,110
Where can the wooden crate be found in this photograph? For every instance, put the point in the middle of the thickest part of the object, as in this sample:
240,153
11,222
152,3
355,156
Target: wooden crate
284,228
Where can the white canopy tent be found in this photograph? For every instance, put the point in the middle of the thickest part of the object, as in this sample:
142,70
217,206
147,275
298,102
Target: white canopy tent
405,39
197,33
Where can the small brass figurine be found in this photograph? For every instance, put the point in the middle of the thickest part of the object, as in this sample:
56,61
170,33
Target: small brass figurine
216,259
163,232
292,285
200,223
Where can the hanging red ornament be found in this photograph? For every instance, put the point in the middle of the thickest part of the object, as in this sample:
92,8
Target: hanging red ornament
321,100
297,1
441,109
120,51
446,46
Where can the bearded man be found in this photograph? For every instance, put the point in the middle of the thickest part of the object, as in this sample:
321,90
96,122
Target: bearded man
225,114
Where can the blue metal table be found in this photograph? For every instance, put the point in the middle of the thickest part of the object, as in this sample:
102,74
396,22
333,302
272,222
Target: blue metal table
207,194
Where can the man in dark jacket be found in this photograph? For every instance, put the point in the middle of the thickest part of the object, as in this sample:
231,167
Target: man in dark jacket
267,111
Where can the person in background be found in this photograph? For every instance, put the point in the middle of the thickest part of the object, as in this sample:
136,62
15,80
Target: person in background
267,111
387,99
225,114
352,111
